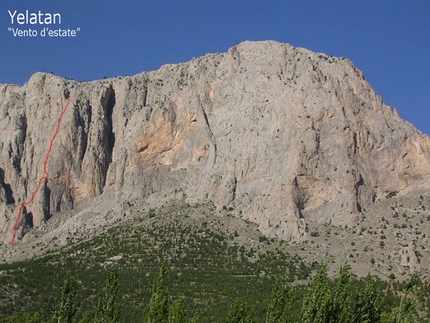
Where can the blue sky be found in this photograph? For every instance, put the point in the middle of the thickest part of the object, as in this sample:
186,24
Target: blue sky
389,40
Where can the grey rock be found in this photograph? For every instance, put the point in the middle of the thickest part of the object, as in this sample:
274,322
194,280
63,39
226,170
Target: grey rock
282,135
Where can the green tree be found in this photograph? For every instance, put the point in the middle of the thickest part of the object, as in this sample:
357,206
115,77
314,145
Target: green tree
317,304
87,317
65,309
279,309
158,304
107,309
405,312
368,309
342,311
177,312
195,318
22,318
237,312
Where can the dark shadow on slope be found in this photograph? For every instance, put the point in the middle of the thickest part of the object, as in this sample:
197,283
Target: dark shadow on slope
8,190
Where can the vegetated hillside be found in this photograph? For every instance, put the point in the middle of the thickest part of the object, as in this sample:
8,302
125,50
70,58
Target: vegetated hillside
284,136
213,260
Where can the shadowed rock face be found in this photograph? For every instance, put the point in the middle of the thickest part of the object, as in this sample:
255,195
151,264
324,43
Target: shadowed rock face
281,134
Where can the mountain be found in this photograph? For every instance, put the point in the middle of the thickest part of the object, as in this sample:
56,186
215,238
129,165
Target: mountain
278,135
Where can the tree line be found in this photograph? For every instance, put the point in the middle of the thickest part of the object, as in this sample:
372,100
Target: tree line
327,301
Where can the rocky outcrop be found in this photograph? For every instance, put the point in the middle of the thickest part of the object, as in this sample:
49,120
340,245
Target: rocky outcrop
282,135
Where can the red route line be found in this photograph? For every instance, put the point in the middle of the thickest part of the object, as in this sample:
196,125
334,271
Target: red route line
39,184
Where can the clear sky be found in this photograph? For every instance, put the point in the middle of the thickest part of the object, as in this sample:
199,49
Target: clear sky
389,40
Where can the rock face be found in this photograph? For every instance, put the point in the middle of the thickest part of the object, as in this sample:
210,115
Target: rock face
282,135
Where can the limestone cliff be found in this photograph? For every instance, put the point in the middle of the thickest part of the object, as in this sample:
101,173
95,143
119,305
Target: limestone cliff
282,135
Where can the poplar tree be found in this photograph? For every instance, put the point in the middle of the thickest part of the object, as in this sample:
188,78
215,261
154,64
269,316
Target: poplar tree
195,318
368,308
279,309
317,304
237,312
107,309
342,311
66,307
405,312
177,312
158,304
